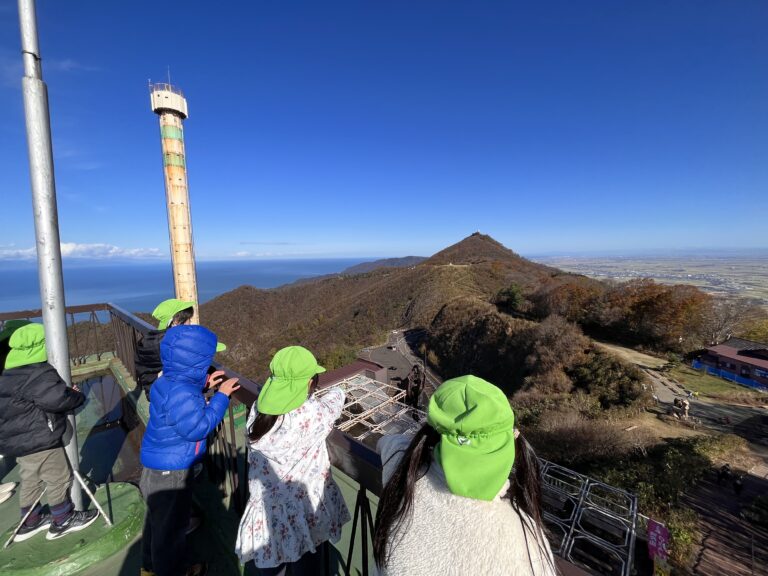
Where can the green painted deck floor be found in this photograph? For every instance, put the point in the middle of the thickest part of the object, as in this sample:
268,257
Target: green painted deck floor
75,552
108,438
109,434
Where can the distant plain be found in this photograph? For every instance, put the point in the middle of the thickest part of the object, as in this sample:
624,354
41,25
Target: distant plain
746,277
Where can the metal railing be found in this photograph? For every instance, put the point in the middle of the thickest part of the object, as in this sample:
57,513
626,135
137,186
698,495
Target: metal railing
591,524
155,86
228,467
87,330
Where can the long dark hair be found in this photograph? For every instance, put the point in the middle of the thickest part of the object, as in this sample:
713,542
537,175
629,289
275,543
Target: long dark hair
396,501
265,422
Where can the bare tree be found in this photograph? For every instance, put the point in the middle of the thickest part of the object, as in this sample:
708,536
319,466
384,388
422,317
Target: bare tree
728,316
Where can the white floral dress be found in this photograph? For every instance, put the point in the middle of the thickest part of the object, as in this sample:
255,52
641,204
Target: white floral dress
294,503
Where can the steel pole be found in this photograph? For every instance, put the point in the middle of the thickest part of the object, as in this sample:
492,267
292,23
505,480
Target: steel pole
49,268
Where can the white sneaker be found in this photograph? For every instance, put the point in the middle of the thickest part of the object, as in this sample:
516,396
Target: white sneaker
7,487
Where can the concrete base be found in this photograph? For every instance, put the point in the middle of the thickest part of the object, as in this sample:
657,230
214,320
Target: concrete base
79,552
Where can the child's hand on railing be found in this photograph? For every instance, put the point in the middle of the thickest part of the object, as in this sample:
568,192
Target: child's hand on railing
215,378
229,386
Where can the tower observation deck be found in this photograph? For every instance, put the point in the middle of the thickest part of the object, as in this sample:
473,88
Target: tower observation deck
169,104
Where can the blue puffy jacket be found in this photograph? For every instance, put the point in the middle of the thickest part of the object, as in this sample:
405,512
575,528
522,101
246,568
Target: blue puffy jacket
179,418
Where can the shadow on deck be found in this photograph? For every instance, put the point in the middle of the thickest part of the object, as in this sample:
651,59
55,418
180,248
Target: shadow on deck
108,438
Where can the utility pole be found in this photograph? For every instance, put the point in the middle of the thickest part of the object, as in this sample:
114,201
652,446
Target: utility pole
38,123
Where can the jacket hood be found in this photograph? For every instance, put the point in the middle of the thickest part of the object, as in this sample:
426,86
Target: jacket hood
27,346
187,352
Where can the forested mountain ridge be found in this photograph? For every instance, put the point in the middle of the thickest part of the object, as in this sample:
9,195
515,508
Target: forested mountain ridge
484,309
338,314
403,262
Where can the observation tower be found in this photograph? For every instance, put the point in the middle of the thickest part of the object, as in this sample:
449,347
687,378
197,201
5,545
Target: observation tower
169,104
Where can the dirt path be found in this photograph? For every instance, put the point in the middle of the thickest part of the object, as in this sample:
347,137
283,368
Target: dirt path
632,356
731,546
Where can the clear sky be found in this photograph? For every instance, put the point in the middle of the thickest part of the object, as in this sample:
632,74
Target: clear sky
390,128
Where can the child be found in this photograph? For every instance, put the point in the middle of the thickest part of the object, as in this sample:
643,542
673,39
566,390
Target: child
168,313
34,402
174,441
9,328
295,506
463,495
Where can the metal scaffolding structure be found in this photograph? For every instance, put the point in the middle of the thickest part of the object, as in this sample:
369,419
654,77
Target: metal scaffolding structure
374,409
589,523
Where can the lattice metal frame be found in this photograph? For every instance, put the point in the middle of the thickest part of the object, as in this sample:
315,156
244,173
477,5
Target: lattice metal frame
374,409
591,524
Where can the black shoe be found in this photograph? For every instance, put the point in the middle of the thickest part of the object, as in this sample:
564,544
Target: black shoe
200,569
27,531
77,521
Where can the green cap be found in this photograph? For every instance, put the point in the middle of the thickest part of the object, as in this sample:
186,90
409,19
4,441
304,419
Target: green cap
10,327
288,386
167,309
27,346
477,445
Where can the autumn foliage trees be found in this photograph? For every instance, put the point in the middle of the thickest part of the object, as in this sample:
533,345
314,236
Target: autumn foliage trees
639,312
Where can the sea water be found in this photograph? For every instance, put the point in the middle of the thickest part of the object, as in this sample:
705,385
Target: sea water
139,286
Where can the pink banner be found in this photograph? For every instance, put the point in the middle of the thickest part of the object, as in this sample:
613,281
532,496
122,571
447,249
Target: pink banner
658,538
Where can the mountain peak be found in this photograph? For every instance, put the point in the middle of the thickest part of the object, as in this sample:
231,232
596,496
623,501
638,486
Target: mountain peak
473,249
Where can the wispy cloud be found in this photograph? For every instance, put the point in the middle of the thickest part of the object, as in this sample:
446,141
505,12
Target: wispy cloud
85,165
17,253
67,65
90,251
257,243
244,254
70,157
12,68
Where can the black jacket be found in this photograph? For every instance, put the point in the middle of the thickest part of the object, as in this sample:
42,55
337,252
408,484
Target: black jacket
34,402
147,361
4,349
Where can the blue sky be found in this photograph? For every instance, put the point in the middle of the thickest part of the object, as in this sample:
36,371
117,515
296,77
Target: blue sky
392,128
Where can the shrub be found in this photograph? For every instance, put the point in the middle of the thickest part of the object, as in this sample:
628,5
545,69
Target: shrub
510,298
571,438
757,511
554,344
613,382
660,478
685,537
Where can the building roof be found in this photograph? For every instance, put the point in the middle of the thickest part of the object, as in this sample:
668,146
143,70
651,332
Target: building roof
728,352
744,344
359,365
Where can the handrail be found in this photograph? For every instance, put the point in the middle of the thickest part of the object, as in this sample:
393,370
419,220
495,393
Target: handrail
129,318
38,313
362,463
165,86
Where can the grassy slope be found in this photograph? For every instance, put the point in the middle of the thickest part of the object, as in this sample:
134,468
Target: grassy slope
707,385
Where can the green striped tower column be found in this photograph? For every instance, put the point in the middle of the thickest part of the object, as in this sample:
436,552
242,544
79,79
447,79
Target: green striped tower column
170,105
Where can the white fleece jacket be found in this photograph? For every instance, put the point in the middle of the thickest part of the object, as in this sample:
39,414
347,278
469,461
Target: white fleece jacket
450,535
